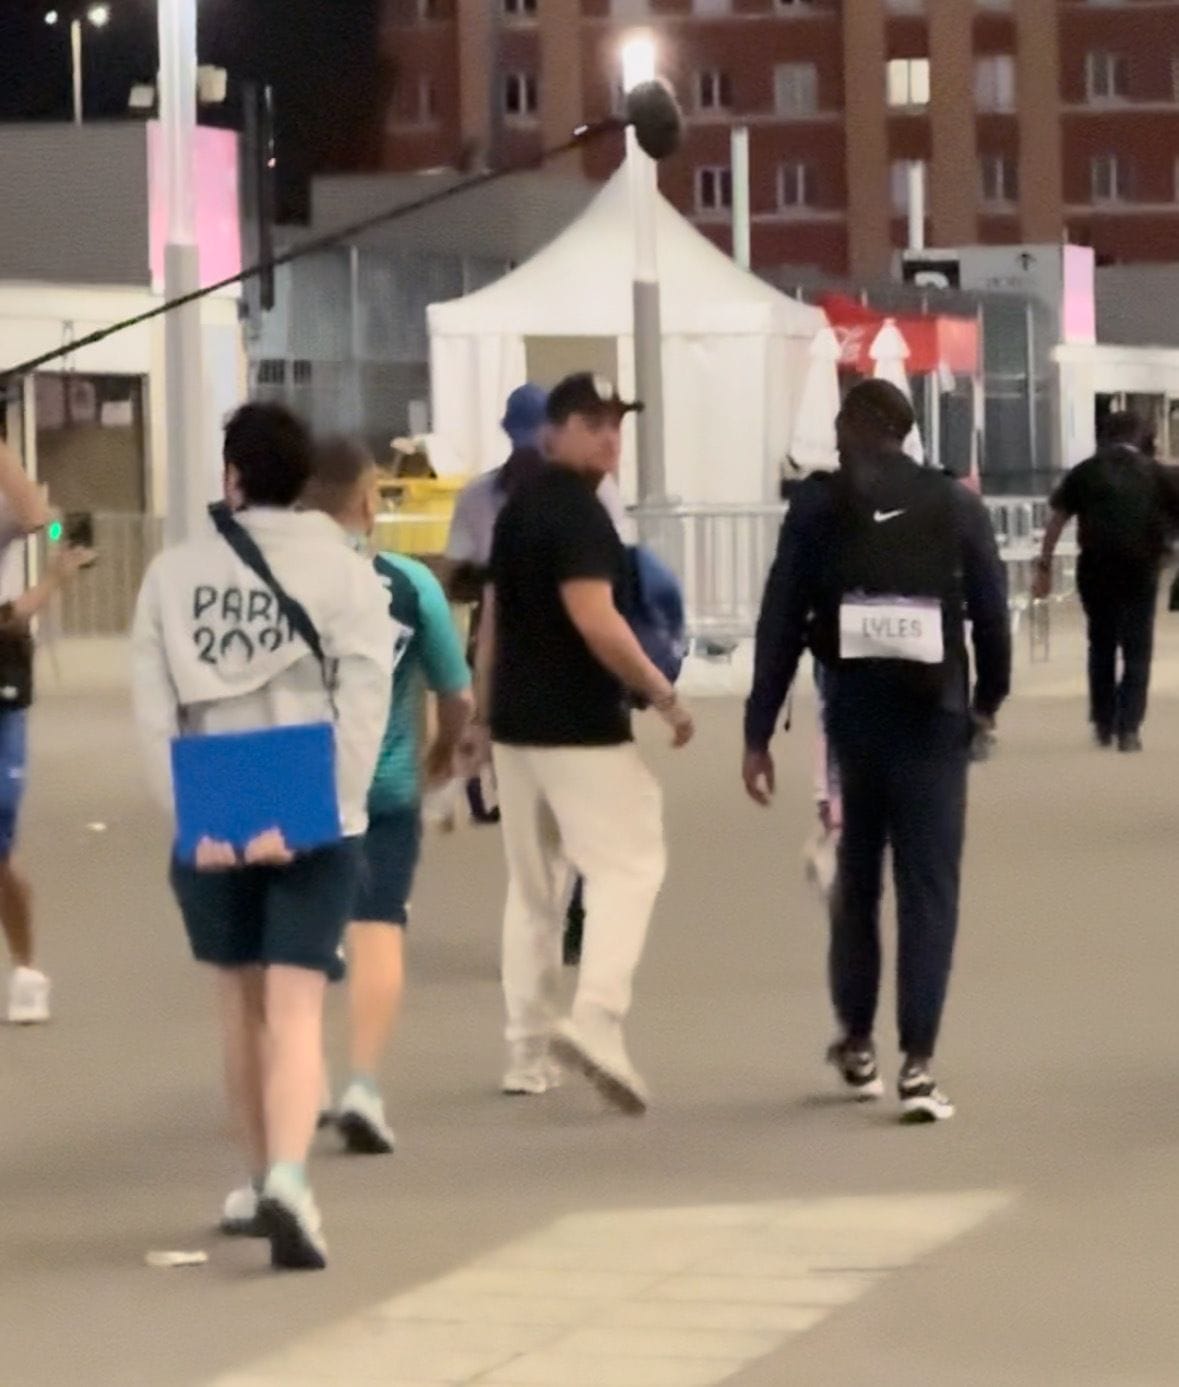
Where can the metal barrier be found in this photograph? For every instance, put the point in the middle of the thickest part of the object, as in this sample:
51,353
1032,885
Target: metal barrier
722,555
100,601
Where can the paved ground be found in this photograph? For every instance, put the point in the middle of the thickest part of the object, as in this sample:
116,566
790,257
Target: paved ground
748,1231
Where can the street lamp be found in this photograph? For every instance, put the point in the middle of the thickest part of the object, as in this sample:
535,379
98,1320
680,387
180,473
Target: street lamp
638,67
98,17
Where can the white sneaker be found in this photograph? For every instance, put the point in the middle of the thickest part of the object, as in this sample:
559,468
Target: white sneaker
361,1122
593,1045
28,998
532,1071
239,1217
290,1218
921,1099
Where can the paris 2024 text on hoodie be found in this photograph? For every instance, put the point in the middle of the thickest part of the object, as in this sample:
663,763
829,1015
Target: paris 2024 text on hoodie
211,653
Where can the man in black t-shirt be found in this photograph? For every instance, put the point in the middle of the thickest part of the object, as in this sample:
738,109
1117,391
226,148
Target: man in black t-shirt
1125,507
557,666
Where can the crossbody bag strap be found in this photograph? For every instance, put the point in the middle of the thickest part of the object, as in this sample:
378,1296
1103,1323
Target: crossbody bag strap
243,545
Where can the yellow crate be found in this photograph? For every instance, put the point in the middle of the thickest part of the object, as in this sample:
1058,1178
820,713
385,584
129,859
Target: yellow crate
418,522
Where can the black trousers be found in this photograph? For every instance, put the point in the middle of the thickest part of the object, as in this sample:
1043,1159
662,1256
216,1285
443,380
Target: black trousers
904,786
1120,603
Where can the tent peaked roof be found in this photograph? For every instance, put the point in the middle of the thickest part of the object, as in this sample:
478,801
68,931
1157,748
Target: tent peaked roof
580,284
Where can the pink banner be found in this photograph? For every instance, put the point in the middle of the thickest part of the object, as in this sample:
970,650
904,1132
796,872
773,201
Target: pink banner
219,238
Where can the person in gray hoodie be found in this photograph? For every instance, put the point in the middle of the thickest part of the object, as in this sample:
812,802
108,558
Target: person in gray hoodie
214,653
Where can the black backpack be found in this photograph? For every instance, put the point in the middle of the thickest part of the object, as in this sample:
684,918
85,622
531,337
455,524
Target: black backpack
895,551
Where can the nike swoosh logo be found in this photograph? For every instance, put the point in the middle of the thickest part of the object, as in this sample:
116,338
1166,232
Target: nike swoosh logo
882,516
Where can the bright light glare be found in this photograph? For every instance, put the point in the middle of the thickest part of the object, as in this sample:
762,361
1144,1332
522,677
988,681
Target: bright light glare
638,60
99,15
51,18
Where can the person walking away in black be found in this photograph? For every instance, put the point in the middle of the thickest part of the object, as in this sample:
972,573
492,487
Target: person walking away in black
1125,507
879,565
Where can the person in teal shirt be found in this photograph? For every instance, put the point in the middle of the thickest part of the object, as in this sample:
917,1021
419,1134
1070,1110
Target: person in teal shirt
428,658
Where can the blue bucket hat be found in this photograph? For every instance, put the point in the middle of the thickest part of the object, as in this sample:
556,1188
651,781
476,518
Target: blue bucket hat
526,415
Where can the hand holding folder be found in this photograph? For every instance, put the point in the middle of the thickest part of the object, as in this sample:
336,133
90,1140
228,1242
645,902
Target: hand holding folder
255,792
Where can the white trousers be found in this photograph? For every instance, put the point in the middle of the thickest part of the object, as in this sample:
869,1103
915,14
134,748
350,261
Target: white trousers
599,810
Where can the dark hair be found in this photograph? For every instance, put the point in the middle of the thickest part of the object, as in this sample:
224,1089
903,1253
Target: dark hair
878,409
337,466
1123,427
271,449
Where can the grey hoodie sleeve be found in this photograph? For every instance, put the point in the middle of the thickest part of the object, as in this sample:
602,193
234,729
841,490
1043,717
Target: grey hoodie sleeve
157,710
360,641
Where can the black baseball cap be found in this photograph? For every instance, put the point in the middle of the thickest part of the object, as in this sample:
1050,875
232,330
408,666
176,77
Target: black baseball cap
595,397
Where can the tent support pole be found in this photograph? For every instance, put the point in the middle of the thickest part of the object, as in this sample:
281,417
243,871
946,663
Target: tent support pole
649,388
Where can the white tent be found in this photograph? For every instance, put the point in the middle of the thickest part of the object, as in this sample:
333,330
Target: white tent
735,350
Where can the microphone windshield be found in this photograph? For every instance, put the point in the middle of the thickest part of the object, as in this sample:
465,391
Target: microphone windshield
652,109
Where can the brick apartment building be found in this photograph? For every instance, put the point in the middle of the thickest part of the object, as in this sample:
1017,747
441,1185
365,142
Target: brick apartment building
1037,119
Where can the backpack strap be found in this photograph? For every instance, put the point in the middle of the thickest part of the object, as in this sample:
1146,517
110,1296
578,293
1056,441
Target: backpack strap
244,546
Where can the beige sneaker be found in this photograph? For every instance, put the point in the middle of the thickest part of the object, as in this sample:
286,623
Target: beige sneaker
28,998
592,1044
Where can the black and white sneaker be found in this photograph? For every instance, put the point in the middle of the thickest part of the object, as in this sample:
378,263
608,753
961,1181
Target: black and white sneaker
921,1099
858,1070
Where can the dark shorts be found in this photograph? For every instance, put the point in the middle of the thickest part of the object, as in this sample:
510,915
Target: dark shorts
392,847
254,916
13,758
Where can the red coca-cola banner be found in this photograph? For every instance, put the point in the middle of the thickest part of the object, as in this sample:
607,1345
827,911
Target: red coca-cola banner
934,340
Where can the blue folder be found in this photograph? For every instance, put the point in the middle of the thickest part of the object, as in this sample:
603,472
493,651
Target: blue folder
233,786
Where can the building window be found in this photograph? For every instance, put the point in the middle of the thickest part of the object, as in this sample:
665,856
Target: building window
710,9
796,186
714,189
714,90
898,181
1110,178
796,89
1105,76
520,9
521,96
908,82
1000,180
994,82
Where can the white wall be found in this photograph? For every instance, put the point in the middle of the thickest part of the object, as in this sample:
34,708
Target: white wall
1086,372
37,318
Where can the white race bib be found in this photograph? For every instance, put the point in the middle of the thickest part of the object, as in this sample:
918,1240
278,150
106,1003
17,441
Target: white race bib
891,628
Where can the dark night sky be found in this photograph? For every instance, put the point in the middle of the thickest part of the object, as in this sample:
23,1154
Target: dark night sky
320,56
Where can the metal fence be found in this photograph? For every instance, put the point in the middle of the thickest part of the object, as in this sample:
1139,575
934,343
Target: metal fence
722,555
100,601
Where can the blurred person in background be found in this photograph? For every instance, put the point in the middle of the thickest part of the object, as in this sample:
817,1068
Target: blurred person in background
427,656
1126,506
23,512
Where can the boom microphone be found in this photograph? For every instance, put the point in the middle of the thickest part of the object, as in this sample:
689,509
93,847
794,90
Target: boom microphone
658,123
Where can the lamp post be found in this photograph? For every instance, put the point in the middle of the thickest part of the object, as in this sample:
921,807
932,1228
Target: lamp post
638,66
98,17
188,493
